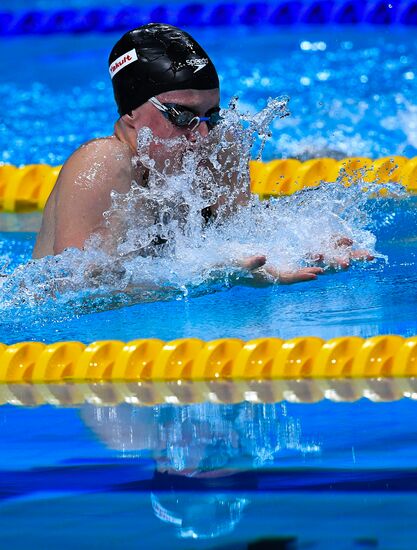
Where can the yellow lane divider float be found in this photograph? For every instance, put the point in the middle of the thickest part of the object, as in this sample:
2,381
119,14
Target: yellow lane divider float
287,176
148,372
27,188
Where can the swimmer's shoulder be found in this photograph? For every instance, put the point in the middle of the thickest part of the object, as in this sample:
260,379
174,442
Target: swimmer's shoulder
103,161
110,145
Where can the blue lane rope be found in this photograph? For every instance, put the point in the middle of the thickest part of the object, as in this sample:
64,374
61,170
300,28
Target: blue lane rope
283,12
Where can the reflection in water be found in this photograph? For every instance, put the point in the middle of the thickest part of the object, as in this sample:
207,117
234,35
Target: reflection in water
200,447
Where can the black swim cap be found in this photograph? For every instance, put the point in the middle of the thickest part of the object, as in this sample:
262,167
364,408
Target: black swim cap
157,58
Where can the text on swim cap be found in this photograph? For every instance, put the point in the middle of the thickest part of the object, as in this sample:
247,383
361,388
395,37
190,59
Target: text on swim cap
197,63
123,61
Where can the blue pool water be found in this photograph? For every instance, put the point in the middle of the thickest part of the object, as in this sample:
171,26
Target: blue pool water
352,91
324,475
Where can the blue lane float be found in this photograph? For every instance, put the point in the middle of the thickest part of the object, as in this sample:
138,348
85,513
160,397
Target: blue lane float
283,12
255,13
408,14
286,13
349,13
222,14
380,13
192,15
318,13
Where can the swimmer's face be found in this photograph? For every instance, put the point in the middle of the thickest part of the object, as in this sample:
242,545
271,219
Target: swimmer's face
201,102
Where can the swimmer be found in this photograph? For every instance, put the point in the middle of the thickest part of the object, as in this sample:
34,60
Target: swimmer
163,80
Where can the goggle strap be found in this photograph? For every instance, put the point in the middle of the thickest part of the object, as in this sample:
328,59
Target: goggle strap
196,124
156,103
200,120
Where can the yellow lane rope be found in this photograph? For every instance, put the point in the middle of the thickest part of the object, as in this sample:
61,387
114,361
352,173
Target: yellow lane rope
287,176
27,188
229,370
342,358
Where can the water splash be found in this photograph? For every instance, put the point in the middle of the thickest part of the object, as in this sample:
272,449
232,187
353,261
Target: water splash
165,245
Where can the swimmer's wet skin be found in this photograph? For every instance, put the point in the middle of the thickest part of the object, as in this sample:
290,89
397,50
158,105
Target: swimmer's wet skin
162,80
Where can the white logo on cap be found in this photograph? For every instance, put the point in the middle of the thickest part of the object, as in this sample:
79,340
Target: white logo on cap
123,61
197,63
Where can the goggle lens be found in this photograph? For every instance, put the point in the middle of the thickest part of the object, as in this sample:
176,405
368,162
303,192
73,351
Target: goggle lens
214,119
183,118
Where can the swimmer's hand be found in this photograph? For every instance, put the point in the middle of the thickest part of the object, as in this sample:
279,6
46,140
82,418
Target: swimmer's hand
270,274
263,275
252,262
341,255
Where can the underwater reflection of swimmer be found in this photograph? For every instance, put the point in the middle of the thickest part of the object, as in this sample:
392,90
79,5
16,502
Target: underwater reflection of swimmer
200,453
204,513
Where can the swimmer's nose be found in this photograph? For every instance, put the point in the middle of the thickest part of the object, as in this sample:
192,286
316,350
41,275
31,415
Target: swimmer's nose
201,129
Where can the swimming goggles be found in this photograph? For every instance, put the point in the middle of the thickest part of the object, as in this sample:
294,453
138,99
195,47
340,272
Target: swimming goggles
183,117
